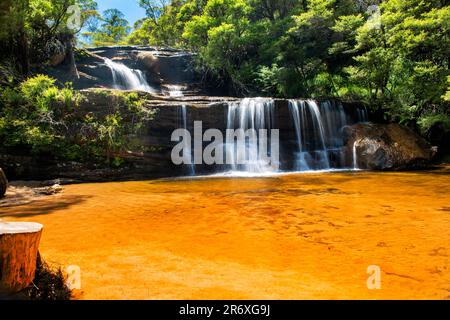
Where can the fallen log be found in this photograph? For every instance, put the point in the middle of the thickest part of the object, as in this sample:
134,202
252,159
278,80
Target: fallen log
19,244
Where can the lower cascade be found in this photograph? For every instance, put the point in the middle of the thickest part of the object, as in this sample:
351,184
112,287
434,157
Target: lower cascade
187,142
319,133
355,157
312,140
256,114
310,134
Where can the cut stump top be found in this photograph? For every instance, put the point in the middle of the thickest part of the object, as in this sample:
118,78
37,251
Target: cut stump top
19,227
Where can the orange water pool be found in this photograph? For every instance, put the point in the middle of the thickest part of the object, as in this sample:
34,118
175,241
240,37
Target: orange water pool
299,236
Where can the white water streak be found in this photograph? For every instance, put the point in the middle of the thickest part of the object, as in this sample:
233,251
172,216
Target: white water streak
125,78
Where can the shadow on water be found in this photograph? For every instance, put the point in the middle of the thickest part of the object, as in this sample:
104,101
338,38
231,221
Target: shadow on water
40,206
438,171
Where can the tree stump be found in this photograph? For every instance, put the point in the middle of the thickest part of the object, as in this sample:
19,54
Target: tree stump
3,183
19,243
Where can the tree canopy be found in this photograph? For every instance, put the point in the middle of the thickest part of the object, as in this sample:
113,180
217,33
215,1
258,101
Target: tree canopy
392,54
114,28
33,30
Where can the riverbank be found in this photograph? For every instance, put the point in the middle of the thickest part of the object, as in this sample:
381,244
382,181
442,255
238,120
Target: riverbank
298,236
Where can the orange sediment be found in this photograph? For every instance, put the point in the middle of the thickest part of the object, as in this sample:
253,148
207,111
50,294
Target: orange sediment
299,236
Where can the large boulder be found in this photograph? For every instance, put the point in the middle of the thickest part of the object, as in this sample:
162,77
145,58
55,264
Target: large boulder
3,183
147,59
386,147
57,59
19,244
167,67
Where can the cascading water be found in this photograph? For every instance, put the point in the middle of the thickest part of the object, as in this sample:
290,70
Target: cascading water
334,119
301,164
355,157
309,126
319,128
187,146
256,114
128,79
318,145
319,133
174,91
363,115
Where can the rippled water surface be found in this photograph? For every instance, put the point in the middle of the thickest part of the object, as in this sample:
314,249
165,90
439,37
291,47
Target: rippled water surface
289,236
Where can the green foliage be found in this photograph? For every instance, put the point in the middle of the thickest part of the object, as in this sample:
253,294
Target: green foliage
446,97
32,31
40,85
402,61
154,8
39,118
391,54
165,22
268,79
426,122
113,30
29,113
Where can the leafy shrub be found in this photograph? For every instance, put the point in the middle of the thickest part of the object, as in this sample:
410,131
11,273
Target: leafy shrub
49,284
34,87
41,119
426,122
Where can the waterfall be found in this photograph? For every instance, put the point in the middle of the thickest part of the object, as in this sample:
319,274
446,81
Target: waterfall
313,141
128,79
321,152
311,136
335,119
250,113
187,146
174,91
355,157
319,133
363,115
294,108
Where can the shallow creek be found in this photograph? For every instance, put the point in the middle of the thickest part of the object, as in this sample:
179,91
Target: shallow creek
295,236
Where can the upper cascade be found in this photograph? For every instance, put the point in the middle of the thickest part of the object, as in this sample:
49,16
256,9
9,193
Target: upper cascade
125,78
164,71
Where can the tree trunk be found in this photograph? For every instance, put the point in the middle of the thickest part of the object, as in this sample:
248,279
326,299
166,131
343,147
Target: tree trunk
19,243
3,183
23,54
68,40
